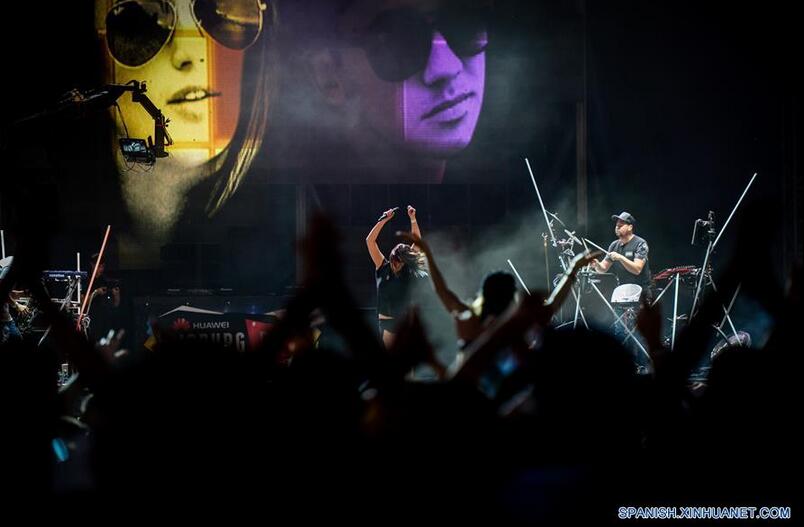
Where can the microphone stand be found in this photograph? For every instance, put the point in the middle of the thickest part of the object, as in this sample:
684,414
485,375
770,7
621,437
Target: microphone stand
705,268
713,241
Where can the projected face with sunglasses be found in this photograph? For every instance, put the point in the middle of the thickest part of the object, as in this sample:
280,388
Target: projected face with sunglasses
418,69
190,54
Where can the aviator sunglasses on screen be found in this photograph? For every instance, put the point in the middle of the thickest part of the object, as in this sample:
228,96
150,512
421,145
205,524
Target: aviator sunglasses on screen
137,30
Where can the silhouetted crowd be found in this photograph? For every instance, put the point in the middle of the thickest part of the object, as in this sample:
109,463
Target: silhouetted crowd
536,425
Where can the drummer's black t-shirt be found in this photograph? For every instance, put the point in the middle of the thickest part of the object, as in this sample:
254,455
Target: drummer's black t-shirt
637,248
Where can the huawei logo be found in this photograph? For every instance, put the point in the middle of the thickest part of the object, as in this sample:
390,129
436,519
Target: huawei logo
180,324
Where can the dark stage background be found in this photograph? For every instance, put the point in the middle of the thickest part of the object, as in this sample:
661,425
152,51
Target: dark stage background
663,109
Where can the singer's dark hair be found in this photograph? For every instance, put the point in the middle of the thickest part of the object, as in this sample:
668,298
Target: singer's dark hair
415,263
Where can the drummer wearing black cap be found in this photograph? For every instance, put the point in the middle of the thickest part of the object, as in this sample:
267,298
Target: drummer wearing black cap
628,259
627,256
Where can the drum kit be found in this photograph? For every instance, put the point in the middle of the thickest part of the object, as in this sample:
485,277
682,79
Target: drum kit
29,319
625,298
624,301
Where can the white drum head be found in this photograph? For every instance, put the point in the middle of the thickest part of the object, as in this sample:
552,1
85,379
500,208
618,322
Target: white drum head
626,294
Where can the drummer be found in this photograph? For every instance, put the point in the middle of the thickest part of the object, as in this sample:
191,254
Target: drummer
628,256
628,259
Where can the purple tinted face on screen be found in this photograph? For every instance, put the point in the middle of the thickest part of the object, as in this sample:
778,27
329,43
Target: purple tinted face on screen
416,69
439,106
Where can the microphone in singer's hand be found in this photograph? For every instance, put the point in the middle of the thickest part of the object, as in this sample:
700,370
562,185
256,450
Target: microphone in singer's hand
385,214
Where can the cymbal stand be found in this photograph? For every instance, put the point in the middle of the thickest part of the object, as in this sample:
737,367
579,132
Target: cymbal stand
575,292
675,315
629,334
